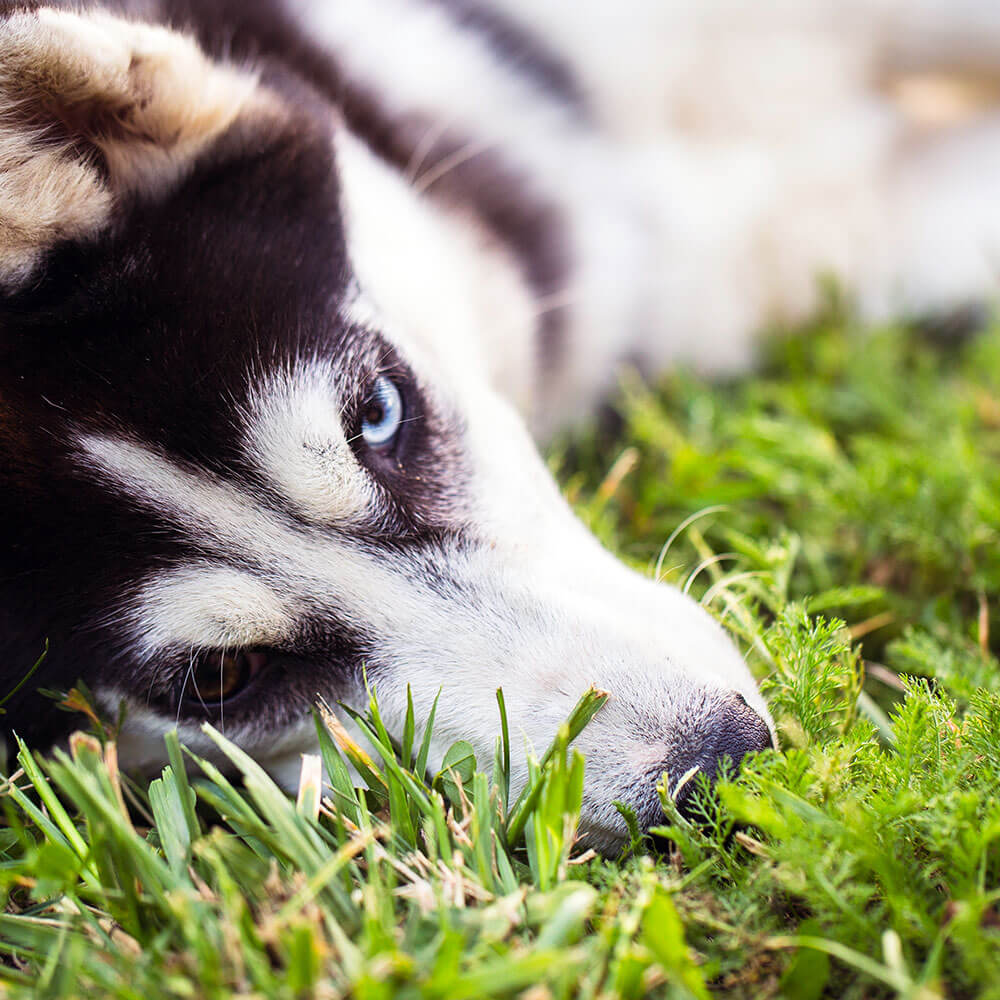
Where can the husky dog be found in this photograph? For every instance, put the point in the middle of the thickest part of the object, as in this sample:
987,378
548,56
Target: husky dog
285,283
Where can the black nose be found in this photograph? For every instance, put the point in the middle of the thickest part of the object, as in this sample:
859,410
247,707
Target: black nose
731,730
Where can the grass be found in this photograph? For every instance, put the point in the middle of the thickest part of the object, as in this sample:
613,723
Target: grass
839,512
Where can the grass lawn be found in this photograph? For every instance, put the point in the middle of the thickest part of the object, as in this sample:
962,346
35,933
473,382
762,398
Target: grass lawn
839,511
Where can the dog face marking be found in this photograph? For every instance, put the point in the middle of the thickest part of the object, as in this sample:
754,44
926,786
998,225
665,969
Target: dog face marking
209,607
484,596
297,440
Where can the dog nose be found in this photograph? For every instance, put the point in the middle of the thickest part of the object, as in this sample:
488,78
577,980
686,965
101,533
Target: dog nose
732,730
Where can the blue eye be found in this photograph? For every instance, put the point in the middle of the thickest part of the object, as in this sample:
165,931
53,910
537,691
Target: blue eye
382,414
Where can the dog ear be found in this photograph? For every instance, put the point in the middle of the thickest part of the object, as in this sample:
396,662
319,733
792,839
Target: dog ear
94,108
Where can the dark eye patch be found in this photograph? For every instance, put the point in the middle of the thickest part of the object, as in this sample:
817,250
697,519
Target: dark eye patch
263,687
361,398
421,476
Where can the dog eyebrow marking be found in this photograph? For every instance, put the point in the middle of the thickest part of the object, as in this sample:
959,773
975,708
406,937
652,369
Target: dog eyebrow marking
208,606
295,437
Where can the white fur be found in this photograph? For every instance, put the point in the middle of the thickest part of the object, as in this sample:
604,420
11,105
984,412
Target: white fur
771,154
412,57
296,438
163,89
208,607
437,278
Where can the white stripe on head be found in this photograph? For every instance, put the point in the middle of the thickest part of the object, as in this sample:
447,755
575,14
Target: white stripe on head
295,436
453,297
383,46
211,607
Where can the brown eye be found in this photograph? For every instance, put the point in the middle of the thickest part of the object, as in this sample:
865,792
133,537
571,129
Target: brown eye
219,675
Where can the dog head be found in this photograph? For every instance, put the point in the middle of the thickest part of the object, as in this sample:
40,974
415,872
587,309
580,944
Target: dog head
253,443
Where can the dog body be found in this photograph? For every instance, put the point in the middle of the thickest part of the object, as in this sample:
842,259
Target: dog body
284,282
